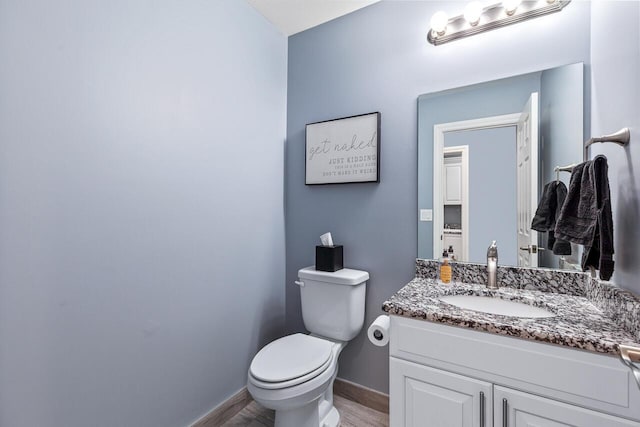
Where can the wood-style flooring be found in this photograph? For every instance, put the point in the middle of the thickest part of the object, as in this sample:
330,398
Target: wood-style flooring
352,414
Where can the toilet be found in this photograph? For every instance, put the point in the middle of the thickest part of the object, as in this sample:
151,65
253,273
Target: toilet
294,375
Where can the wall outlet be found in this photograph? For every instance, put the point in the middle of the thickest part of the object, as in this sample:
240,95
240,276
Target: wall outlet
426,214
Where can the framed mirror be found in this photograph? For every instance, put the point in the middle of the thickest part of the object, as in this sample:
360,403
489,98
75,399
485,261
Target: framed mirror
485,153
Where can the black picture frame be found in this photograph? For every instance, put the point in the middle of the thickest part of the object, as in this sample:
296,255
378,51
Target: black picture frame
343,151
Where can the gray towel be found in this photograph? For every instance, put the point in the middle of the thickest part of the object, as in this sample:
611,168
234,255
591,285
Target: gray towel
544,220
585,217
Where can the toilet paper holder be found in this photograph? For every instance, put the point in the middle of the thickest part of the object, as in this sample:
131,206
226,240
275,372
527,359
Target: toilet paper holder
378,332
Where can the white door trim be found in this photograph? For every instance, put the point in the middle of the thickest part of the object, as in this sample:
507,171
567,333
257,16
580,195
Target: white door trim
438,154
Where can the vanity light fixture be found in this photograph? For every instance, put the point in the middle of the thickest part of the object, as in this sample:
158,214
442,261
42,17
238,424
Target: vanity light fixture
472,13
510,6
477,19
439,22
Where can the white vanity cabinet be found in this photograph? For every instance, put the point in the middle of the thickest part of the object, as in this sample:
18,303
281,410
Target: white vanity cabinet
443,398
517,409
444,376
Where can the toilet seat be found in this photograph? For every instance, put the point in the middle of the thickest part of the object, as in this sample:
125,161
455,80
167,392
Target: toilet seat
290,361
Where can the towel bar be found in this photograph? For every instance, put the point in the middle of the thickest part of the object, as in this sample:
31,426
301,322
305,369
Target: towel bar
568,168
622,138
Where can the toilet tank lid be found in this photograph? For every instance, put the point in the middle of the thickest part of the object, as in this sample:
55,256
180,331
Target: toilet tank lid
346,276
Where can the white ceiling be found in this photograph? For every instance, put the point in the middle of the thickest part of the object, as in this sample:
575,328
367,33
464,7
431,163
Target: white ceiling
293,16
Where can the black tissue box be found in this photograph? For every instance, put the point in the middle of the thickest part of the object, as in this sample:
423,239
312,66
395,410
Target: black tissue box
329,258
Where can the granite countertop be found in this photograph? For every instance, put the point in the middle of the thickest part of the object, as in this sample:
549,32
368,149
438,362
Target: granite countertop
578,323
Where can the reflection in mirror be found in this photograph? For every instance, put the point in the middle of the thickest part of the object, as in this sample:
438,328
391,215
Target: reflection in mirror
485,153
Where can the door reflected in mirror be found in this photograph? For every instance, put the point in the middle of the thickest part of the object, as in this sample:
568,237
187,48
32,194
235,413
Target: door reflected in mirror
485,152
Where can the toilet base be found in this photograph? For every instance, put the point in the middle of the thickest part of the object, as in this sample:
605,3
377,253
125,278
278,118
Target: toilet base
332,419
315,414
320,412
309,404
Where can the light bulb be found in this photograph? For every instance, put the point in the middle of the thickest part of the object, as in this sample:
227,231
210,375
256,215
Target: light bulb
439,22
510,6
472,13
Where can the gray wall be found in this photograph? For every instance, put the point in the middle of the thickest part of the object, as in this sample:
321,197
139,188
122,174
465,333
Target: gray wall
141,173
377,59
492,191
615,103
504,96
561,135
561,119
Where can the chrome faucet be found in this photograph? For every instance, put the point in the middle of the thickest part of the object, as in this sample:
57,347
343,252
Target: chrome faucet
492,266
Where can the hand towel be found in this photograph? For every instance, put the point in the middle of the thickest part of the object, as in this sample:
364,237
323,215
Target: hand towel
553,196
586,218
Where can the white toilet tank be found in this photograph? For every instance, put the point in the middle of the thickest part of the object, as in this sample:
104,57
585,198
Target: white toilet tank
333,303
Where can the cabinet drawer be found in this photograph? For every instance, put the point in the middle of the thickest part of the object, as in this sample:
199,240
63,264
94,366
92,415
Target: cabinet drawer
584,378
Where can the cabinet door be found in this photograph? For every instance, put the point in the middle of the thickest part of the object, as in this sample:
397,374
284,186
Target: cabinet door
426,397
517,409
453,184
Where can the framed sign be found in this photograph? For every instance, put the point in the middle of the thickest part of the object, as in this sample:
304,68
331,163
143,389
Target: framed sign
342,151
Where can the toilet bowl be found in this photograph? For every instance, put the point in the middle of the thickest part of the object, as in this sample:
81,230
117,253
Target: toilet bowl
294,375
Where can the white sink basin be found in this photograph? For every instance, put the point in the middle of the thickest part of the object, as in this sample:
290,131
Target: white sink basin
496,306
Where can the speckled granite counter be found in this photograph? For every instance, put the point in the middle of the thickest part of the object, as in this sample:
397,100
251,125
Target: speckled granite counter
580,321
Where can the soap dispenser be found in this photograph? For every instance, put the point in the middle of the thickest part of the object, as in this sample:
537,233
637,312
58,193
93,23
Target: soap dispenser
445,268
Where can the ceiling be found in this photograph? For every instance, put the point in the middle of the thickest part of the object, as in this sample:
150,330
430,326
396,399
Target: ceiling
293,16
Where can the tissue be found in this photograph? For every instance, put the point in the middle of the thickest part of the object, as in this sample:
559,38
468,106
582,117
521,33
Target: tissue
326,239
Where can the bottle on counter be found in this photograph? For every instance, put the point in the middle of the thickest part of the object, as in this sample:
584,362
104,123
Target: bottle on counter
445,268
452,255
